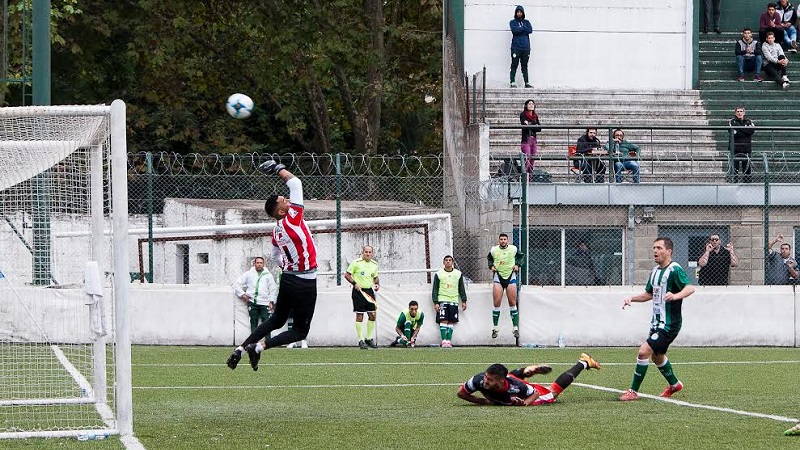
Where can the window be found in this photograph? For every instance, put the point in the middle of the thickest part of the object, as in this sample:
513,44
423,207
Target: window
578,256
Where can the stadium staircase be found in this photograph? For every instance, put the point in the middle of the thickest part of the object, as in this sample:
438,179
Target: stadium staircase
674,155
766,104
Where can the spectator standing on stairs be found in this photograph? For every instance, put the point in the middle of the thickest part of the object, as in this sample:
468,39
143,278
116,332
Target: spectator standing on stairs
521,30
742,137
529,144
775,61
711,15
788,20
748,55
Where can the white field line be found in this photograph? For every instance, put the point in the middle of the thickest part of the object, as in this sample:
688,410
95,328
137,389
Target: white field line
693,405
360,386
487,363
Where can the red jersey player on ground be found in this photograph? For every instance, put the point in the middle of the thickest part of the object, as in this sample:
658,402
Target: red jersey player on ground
501,387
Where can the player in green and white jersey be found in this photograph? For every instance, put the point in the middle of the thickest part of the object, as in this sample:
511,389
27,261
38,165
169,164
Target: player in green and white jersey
408,324
667,286
362,273
504,261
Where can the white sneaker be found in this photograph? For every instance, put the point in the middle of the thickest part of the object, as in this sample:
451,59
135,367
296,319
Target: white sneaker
304,344
785,85
292,345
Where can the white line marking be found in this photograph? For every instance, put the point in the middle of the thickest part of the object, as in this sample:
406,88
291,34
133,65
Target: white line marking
693,405
296,386
434,363
590,386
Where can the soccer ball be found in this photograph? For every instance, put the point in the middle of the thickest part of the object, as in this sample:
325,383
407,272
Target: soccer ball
239,106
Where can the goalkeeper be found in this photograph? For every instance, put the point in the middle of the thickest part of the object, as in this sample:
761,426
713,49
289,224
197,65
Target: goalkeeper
293,246
408,324
500,387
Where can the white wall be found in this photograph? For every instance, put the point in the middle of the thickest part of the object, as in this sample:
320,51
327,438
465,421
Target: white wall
606,44
210,315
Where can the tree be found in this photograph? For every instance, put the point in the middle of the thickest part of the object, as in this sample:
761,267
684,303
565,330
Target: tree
323,75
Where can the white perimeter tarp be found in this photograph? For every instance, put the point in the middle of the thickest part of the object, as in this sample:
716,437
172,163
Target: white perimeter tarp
591,316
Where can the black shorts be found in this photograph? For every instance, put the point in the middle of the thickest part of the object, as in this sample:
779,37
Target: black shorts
360,304
660,339
504,282
448,312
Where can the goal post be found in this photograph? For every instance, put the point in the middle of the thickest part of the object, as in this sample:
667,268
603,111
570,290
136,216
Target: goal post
65,353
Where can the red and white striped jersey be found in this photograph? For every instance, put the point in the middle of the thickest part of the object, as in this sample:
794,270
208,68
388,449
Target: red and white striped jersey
294,242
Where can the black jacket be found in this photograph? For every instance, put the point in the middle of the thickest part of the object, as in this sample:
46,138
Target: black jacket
586,145
526,132
742,137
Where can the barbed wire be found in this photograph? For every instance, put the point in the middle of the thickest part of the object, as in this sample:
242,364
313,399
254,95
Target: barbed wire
301,164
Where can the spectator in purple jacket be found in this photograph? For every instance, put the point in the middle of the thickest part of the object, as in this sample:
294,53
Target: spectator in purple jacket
770,20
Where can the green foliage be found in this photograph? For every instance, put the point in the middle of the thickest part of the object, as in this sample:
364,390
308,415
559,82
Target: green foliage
17,72
324,79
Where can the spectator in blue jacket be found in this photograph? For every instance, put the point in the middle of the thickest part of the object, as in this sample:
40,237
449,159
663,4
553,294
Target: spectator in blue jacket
520,45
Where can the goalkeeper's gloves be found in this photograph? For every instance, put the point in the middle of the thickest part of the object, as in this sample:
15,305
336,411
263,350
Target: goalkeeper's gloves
271,167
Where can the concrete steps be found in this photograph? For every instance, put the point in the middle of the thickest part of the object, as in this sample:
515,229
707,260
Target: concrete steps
667,155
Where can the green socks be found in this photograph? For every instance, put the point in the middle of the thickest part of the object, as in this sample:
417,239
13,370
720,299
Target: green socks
639,373
514,316
666,370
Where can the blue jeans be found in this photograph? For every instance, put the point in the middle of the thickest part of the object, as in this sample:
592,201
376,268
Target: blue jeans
789,35
748,64
631,165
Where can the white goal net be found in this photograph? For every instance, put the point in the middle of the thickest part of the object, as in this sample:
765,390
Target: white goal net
64,345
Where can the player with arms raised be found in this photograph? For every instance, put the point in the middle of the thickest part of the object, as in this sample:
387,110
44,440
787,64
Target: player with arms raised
294,250
667,286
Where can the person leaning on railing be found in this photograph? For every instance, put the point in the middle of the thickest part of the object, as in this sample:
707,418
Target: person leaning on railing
625,156
592,168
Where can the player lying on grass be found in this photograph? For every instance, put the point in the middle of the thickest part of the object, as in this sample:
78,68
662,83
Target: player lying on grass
501,387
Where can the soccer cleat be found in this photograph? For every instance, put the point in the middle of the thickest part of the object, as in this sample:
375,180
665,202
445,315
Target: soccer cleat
292,345
234,359
304,344
669,390
395,342
590,362
536,370
253,355
362,345
494,333
794,431
371,343
516,333
628,396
